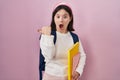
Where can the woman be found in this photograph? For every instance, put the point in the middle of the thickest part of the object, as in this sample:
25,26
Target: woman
56,53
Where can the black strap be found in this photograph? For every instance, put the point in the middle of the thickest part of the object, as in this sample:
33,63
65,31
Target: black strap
55,36
75,37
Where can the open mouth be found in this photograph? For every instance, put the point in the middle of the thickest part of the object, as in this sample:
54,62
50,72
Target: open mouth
61,25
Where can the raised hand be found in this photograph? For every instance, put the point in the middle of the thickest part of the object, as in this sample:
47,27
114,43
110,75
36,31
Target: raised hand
45,30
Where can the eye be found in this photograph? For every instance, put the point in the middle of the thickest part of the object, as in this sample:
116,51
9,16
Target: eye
65,16
57,16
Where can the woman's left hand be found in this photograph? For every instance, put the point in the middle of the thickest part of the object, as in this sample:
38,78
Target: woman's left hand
75,75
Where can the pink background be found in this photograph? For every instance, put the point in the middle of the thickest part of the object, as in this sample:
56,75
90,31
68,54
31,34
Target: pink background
97,22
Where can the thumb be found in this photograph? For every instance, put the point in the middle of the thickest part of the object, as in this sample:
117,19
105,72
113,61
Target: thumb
39,30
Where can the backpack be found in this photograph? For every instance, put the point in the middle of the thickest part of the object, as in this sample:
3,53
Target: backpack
41,57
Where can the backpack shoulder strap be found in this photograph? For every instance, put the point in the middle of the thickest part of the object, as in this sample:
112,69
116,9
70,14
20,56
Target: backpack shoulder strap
75,37
55,36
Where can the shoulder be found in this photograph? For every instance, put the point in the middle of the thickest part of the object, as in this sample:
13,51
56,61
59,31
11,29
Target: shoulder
73,34
75,37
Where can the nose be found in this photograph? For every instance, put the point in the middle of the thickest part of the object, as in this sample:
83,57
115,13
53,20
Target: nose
61,19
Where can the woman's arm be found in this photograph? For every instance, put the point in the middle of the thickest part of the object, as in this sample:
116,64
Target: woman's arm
47,47
46,43
82,60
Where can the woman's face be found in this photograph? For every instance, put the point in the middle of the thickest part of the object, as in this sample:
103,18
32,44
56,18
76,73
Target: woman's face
62,19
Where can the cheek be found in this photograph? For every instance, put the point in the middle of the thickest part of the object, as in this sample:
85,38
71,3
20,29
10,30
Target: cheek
67,22
55,20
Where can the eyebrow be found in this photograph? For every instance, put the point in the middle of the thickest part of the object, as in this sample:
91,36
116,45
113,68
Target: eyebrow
64,14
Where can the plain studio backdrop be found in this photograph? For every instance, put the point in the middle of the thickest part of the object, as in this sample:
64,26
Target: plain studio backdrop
97,23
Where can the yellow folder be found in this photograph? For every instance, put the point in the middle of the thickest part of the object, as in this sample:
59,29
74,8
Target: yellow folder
72,52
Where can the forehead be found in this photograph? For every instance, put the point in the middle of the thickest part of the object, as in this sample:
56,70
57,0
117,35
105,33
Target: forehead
62,12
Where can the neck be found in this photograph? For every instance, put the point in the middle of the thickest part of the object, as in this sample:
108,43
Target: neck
61,31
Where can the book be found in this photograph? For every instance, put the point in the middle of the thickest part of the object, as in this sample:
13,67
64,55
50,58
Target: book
73,59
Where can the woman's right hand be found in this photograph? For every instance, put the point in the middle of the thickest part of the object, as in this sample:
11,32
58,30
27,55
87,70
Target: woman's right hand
45,30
